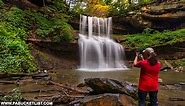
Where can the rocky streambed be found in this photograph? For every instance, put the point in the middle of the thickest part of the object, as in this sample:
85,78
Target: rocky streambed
72,87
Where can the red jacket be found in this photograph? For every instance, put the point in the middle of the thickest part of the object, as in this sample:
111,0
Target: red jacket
148,76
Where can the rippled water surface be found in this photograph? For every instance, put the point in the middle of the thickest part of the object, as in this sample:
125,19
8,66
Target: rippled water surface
74,77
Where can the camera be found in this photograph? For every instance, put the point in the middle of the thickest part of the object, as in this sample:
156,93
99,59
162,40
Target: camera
140,56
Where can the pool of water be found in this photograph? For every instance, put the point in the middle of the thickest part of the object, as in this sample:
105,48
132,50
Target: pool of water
77,76
74,77
132,75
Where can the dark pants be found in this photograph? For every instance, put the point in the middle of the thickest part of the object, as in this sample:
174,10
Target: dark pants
153,98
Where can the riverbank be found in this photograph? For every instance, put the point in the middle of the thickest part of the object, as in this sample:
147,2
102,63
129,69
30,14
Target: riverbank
172,87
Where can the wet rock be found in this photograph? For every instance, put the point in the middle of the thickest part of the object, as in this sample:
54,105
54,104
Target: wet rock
177,86
81,85
182,84
176,99
183,87
104,85
171,87
179,69
165,69
25,4
1,94
160,17
174,87
44,62
164,8
40,75
62,99
166,66
160,80
163,15
174,52
105,100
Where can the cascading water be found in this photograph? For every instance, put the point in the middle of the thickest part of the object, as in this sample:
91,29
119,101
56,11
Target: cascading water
98,52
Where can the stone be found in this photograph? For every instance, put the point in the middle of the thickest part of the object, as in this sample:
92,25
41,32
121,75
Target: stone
62,99
160,80
105,85
105,100
40,75
173,87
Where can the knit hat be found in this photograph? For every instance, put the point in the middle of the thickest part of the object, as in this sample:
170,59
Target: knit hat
149,50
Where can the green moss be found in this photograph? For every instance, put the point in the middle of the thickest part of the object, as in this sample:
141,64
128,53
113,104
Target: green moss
14,52
1,3
15,55
56,28
17,18
143,40
45,27
179,62
60,5
15,95
49,22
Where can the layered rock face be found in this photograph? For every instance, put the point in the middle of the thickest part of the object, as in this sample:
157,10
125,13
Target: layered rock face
164,16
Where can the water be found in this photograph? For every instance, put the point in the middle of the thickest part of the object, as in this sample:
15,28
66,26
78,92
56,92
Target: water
72,78
98,52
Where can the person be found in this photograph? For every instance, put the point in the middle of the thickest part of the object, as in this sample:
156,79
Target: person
149,74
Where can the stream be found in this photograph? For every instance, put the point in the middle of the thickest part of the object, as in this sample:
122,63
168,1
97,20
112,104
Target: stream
172,86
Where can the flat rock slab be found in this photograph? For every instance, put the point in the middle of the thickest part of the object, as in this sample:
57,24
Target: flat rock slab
104,85
105,100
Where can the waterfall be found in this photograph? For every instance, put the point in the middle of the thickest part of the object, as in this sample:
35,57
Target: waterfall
98,51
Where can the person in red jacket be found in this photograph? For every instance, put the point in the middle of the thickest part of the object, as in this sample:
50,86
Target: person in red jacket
149,74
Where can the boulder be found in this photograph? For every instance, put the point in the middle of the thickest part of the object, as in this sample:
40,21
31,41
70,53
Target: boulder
105,100
64,99
104,85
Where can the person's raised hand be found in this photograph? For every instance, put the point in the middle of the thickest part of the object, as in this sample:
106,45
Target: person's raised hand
137,53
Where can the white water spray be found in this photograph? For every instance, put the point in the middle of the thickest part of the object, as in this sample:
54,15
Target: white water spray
98,52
